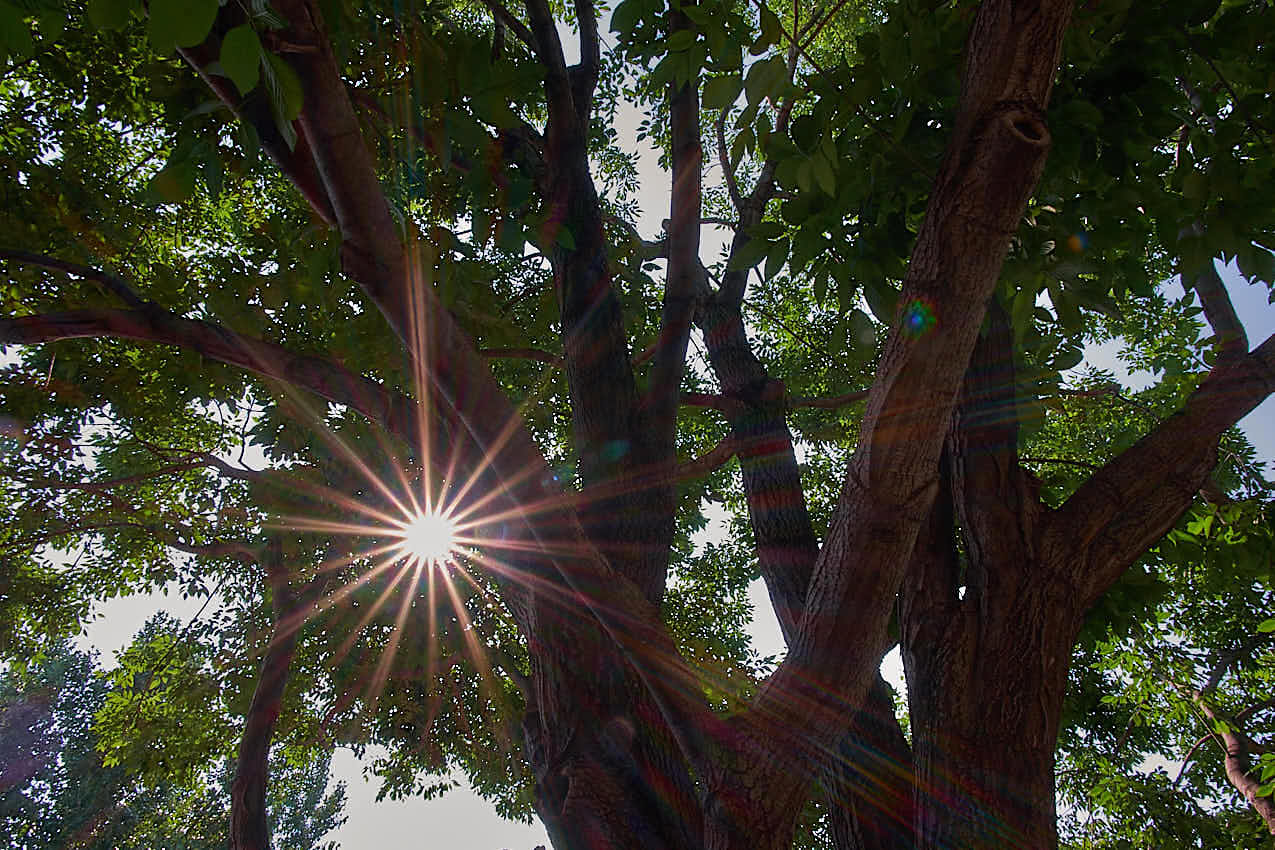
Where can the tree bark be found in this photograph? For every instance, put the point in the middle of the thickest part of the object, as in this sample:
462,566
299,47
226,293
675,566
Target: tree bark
249,828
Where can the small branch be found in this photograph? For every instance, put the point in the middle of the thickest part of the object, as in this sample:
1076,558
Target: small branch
502,15
723,156
714,458
537,354
1220,313
584,76
110,281
1235,100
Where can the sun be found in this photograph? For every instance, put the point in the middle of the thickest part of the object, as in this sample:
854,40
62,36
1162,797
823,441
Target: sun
428,539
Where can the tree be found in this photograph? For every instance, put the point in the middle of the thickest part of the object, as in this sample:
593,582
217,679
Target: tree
430,296
59,789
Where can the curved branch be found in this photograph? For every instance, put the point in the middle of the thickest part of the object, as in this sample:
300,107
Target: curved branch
1236,764
331,381
503,16
112,283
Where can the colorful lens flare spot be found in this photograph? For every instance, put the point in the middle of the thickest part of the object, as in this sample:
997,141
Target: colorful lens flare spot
1077,243
919,318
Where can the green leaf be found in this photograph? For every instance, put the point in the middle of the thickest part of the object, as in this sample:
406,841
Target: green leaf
175,182
1267,626
15,35
241,57
109,14
771,32
749,254
52,23
681,40
1195,185
1068,358
860,329
764,78
626,16
180,23
776,257
823,174
721,92
881,297
284,88
287,94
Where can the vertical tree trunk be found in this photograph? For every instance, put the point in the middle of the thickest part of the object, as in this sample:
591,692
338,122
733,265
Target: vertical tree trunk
249,828
608,774
985,708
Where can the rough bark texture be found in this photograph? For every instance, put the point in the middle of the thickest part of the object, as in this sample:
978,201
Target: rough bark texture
992,164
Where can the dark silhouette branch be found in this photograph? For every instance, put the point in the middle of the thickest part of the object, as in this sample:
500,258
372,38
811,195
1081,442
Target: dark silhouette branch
111,282
505,17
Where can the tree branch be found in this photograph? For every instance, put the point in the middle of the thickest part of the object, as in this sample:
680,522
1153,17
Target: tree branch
249,828
1236,765
322,377
584,76
502,14
1220,312
997,505
993,160
1136,497
683,261
112,283
728,173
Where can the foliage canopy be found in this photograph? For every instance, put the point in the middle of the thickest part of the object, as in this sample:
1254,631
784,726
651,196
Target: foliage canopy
276,278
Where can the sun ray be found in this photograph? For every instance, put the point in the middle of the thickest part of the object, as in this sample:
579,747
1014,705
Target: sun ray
373,609
379,677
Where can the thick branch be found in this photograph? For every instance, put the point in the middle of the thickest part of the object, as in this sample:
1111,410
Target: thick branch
1232,341
683,260
249,829
995,498
584,76
323,378
295,161
1236,763
506,17
112,283
1135,498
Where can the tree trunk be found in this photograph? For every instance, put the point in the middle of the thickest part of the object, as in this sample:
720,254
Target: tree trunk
868,787
985,707
249,828
608,773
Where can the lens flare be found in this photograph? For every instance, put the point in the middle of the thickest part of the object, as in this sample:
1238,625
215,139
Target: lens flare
428,539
